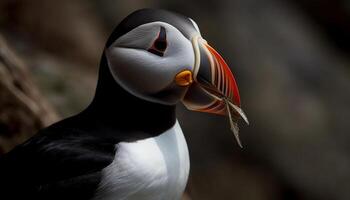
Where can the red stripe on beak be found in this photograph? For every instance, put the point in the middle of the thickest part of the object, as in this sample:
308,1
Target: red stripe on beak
214,83
227,78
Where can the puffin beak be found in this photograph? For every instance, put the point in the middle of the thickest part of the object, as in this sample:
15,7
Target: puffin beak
214,89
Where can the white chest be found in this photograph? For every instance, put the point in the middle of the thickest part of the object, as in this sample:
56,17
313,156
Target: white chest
151,169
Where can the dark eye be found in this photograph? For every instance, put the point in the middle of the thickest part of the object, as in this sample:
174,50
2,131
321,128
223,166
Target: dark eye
160,44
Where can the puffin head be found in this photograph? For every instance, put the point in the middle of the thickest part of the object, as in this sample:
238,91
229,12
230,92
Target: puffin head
161,57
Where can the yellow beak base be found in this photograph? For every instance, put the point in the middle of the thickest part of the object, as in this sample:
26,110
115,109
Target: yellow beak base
184,78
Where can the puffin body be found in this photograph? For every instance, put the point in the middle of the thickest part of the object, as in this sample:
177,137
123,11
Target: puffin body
127,144
153,168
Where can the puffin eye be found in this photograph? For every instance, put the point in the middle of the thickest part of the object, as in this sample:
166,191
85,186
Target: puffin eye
160,44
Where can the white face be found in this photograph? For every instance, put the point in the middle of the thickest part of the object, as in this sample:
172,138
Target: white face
148,74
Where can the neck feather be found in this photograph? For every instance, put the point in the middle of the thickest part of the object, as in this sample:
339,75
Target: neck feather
114,106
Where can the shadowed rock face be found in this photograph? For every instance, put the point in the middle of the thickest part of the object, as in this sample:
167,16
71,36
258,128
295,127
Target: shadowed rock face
23,110
298,96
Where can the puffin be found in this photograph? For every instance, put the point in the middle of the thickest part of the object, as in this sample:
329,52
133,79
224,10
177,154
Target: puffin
128,144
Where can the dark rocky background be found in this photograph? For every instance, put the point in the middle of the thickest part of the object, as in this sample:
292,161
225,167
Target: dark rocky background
290,57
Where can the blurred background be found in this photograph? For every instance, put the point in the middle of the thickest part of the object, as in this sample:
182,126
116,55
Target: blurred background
290,58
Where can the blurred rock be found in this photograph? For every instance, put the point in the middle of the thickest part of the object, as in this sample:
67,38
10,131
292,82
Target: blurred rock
61,42
66,28
23,110
296,90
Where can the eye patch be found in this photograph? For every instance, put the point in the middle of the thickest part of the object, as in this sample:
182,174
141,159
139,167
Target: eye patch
160,44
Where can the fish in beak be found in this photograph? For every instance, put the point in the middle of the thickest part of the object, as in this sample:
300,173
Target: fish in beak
212,87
